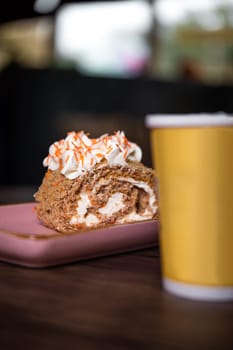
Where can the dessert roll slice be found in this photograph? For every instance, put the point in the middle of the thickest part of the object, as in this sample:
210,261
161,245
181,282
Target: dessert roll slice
94,183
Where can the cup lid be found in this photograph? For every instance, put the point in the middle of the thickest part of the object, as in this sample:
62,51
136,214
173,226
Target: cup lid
188,120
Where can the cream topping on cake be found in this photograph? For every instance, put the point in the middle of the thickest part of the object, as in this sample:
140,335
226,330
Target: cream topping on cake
78,153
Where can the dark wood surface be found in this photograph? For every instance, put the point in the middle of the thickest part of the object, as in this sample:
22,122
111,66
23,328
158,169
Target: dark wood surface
115,302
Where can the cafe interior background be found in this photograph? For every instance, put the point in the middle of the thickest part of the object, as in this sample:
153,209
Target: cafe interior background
101,66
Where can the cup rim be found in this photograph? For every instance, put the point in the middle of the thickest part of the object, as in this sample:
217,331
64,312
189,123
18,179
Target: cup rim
188,120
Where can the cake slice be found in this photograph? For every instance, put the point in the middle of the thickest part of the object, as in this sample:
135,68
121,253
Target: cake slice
93,183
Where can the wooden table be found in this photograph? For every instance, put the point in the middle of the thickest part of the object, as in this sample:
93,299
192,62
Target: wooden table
114,302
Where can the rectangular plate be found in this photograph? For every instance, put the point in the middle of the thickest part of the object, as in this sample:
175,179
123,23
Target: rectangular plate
24,241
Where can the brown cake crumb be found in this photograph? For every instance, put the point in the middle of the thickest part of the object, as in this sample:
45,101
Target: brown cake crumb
58,197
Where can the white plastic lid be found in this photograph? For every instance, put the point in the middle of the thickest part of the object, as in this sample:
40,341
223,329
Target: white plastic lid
190,120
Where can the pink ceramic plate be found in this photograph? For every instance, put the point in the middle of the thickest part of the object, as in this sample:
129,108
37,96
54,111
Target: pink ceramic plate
24,241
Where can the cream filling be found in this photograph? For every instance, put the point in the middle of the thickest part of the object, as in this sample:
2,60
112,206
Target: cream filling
152,199
89,220
114,204
133,216
81,217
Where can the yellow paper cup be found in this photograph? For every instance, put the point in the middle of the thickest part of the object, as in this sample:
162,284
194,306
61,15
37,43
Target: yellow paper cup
193,156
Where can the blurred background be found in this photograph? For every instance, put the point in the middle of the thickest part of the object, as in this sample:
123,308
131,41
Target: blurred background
101,66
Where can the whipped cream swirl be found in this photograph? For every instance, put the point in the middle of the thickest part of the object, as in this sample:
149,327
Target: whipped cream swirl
78,153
